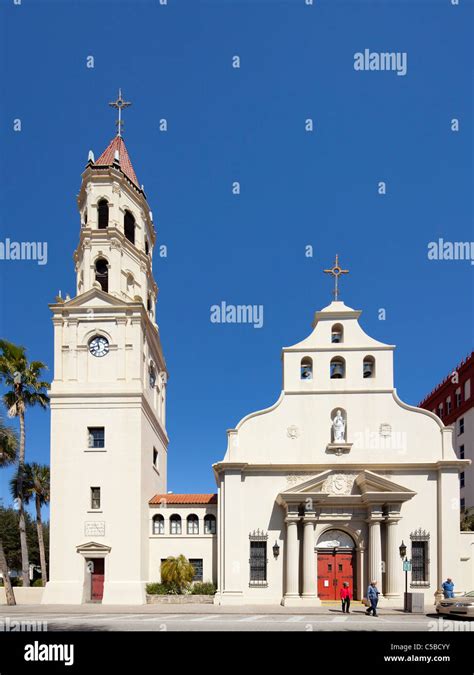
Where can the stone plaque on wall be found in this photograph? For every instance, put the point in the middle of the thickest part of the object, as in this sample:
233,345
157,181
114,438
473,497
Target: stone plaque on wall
94,528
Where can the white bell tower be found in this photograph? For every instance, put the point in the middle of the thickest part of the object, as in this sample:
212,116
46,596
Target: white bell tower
108,396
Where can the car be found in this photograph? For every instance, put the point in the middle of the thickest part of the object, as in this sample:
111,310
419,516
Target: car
462,605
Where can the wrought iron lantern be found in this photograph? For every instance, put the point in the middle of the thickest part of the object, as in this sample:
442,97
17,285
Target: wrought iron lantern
403,550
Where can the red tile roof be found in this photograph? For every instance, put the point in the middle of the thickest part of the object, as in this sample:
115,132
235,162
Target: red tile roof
172,498
108,156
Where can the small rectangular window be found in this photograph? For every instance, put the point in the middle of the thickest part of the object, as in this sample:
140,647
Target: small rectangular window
448,406
95,498
461,452
198,568
463,504
96,437
155,458
461,479
458,398
461,426
467,390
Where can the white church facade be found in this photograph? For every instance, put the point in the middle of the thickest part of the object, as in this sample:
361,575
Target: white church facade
322,487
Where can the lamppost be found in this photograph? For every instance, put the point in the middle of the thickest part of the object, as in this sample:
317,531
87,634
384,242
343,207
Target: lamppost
406,568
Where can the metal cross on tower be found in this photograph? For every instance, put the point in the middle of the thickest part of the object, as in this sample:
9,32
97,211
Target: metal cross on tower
119,104
336,271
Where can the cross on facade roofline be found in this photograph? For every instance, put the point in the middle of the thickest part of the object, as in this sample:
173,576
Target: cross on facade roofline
336,271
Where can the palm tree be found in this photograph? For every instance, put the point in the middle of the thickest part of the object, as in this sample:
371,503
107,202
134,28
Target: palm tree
25,389
8,449
36,484
177,572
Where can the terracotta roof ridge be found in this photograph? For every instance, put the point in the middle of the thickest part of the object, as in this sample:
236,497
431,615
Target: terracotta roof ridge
185,498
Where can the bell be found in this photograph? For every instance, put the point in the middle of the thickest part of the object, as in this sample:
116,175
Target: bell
337,371
336,337
368,370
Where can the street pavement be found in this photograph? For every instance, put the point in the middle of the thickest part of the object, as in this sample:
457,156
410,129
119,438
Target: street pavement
213,618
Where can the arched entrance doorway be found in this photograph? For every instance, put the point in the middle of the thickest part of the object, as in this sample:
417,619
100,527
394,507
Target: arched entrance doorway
336,564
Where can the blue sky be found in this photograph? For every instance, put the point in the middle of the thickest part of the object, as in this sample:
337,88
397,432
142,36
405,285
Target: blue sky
297,188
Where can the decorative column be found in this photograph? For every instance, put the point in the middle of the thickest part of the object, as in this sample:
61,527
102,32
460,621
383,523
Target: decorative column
310,569
292,595
394,564
375,547
360,573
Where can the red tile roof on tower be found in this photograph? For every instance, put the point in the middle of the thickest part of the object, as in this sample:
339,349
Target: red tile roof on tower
108,156
172,498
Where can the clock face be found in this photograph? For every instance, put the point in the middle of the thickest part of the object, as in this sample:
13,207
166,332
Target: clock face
99,346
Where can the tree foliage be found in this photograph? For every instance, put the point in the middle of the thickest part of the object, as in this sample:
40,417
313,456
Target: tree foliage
177,573
11,539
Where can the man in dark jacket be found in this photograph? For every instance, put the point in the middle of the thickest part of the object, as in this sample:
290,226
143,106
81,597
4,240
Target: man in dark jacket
373,597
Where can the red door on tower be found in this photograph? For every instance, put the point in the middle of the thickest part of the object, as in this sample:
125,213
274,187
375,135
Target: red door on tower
334,567
97,579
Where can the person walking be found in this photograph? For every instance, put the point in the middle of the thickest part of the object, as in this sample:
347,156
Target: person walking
373,597
448,588
345,597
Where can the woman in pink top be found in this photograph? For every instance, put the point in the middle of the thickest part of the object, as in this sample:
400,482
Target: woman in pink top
345,597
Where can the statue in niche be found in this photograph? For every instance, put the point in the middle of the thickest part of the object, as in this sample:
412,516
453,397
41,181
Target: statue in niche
339,428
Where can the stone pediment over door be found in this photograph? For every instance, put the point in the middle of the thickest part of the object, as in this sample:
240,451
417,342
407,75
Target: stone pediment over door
93,547
352,487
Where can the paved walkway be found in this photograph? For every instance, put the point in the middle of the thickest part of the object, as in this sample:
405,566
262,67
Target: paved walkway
192,618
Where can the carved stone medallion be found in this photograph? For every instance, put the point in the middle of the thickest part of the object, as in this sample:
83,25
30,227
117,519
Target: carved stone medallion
339,483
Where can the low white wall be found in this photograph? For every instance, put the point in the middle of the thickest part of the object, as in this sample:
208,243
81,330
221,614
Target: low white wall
24,596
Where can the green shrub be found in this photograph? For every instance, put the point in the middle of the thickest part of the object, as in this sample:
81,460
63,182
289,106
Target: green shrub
37,582
203,588
156,589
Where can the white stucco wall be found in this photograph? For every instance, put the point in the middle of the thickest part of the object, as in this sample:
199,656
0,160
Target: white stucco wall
201,546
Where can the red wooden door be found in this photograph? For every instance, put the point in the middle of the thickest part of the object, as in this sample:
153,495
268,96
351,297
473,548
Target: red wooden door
333,569
97,579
